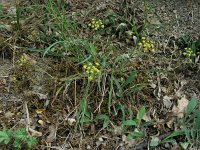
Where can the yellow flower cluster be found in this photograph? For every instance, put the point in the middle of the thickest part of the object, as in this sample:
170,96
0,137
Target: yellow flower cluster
188,53
91,70
147,45
23,60
96,24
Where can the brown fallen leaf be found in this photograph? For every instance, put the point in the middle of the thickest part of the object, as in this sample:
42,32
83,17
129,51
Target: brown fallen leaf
180,108
34,132
52,136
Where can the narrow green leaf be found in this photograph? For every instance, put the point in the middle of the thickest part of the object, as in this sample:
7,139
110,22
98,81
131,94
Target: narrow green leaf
191,106
197,43
106,123
140,115
85,119
193,47
130,79
92,49
174,134
197,121
116,81
135,134
110,94
101,116
121,107
129,123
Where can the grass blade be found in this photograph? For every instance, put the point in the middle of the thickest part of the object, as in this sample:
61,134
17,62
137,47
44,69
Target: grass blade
191,106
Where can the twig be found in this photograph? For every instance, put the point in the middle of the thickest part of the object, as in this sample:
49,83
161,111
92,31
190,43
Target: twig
27,117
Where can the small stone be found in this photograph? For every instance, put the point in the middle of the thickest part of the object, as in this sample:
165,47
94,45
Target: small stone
175,11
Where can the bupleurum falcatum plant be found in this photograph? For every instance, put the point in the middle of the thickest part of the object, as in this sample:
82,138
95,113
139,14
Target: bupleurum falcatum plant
22,61
147,45
96,24
91,70
189,54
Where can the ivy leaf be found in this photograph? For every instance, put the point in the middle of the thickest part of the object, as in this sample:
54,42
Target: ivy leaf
5,136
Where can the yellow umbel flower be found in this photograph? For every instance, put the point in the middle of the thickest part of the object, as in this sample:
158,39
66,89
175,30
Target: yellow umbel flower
96,24
189,54
91,70
146,45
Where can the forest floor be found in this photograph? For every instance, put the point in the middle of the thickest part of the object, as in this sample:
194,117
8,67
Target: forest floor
103,74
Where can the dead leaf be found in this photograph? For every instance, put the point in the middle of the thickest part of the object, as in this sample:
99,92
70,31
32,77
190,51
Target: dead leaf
71,121
180,108
52,136
42,123
147,117
39,111
167,101
170,123
34,132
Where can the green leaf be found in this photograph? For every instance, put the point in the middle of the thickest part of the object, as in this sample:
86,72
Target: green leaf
191,106
17,143
92,50
101,116
85,119
197,43
174,134
184,145
31,141
116,81
110,94
197,121
154,142
129,123
130,79
106,123
20,134
121,107
140,114
193,47
135,134
5,136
